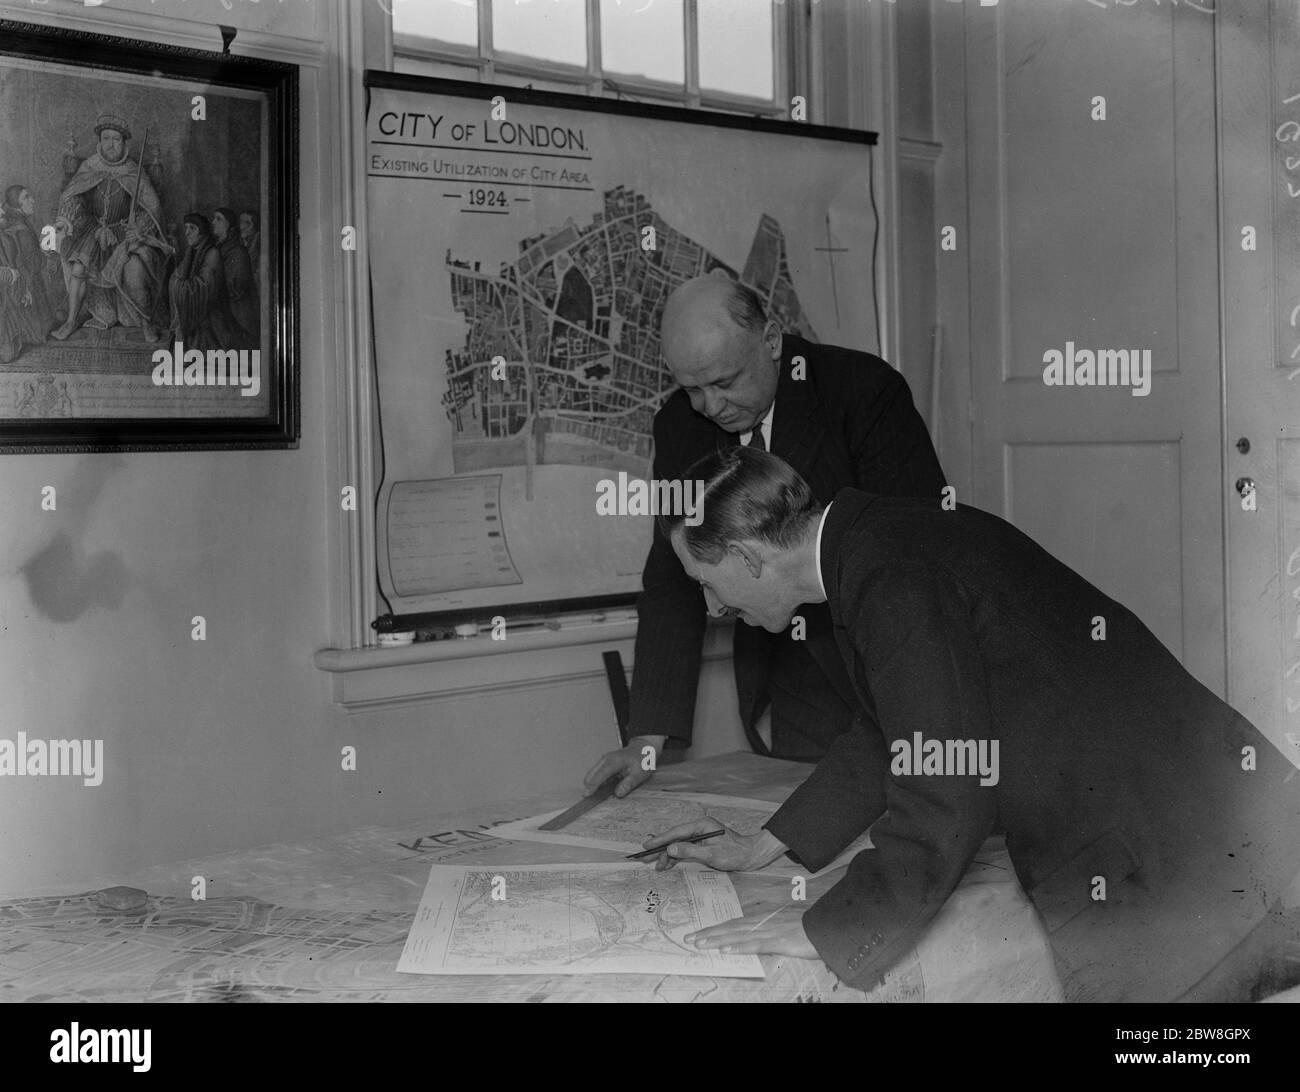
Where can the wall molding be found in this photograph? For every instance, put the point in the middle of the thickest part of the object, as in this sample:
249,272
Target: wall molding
952,206
189,33
879,32
352,533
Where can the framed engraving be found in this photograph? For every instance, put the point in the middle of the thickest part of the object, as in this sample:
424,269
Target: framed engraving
148,248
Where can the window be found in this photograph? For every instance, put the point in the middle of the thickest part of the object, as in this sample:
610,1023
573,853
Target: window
722,54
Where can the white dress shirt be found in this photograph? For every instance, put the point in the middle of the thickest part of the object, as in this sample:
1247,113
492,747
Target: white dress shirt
820,526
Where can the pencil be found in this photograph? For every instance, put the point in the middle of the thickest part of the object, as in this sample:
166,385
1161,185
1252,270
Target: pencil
659,849
766,919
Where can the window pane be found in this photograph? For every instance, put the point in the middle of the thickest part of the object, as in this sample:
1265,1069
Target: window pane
555,30
643,38
447,20
736,47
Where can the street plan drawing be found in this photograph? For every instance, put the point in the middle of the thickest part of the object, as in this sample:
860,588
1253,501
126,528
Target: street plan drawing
560,362
571,919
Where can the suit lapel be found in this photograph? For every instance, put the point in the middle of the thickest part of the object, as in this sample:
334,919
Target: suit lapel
797,426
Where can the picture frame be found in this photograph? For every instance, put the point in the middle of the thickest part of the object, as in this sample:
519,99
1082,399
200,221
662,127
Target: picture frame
148,246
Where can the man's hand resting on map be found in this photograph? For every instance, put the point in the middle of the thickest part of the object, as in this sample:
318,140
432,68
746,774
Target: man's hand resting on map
730,852
630,762
768,933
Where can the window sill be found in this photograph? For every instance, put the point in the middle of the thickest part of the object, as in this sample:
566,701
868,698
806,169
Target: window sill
366,679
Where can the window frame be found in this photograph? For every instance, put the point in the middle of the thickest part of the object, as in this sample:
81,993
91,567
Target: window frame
790,26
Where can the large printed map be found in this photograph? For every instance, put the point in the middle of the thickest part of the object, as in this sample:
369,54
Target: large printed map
519,268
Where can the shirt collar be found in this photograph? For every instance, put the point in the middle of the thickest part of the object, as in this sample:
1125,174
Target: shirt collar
820,526
766,425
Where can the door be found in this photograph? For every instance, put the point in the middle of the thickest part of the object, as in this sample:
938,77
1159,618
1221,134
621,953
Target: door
1259,96
1094,229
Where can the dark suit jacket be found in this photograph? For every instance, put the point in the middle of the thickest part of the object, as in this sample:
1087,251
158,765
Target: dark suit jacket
1114,762
850,421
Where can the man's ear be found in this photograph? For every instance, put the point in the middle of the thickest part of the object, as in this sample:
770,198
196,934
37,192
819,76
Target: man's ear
745,552
772,338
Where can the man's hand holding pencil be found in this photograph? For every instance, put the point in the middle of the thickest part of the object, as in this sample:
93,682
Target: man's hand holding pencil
713,843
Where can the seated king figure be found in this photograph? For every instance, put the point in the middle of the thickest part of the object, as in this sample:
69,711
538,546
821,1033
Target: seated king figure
111,242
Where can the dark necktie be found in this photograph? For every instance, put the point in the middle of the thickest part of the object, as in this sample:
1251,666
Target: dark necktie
756,438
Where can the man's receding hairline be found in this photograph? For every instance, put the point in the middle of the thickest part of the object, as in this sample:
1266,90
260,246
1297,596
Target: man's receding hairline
714,299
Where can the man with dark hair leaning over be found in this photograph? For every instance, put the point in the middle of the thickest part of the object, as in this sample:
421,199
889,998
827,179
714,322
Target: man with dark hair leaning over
840,418
1152,825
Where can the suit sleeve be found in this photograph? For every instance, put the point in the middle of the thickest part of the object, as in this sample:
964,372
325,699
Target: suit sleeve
840,799
671,618
889,444
926,676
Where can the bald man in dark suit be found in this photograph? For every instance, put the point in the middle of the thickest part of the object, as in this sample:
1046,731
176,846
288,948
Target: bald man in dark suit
841,418
1153,827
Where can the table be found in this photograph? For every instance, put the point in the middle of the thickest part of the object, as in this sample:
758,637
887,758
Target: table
326,920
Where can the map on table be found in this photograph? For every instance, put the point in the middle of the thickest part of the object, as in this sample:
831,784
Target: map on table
571,919
622,825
